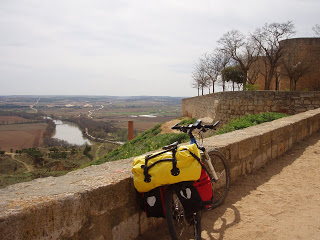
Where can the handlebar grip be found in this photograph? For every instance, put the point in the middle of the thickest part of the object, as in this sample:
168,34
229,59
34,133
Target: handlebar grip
213,126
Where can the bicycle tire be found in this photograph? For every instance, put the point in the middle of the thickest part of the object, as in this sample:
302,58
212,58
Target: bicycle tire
220,186
180,226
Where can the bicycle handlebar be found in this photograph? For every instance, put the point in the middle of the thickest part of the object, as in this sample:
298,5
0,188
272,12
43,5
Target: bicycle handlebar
196,125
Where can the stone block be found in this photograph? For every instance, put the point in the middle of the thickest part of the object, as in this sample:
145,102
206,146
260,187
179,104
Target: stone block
290,142
249,163
275,108
269,102
149,223
127,229
259,161
274,151
245,148
235,173
266,138
282,147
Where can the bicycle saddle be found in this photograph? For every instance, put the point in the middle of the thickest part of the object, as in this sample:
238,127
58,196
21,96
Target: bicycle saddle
172,145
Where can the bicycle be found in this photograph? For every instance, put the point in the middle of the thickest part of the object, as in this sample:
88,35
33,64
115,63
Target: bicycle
180,225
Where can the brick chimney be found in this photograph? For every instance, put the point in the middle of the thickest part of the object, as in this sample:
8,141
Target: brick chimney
130,130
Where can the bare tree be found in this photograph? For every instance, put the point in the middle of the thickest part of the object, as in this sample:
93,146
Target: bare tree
213,65
241,49
220,61
210,69
200,78
268,40
316,30
295,63
253,73
277,75
195,83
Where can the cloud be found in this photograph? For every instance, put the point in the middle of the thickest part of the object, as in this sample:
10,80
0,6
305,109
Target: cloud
124,47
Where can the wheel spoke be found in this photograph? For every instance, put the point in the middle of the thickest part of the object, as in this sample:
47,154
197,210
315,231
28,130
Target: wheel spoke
179,226
221,184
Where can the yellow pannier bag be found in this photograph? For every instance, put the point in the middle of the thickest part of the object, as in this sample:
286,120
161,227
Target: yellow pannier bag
162,169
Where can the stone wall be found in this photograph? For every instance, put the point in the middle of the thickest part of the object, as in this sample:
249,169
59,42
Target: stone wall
303,50
99,202
225,106
306,51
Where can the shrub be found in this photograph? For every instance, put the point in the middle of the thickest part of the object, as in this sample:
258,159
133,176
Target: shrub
249,120
188,121
251,87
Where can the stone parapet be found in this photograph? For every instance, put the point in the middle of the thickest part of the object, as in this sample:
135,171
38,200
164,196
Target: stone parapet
99,202
225,106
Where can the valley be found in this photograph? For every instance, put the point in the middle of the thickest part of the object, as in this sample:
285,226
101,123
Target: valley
28,151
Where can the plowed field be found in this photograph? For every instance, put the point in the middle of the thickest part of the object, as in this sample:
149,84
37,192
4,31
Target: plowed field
19,136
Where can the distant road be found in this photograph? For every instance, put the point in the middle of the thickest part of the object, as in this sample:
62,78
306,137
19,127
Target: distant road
32,106
100,139
91,111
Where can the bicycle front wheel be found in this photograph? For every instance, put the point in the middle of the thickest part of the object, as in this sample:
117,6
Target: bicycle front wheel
180,225
221,184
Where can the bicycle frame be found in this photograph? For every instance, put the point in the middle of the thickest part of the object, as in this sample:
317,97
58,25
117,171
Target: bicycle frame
217,177
207,157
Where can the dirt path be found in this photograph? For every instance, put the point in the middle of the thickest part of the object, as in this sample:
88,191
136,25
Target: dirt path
281,201
166,127
27,166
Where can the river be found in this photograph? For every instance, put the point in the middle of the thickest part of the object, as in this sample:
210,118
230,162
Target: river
69,132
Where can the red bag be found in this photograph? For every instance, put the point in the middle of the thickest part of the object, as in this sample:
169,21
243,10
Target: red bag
195,195
204,188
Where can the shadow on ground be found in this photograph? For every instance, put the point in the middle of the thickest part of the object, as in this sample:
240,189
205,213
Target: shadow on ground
214,223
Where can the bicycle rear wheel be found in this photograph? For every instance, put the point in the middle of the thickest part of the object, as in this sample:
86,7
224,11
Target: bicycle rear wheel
221,185
181,226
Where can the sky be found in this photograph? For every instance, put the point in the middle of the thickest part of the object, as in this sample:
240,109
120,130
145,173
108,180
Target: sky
123,47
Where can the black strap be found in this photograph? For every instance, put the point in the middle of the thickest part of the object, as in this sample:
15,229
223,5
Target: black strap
175,171
198,159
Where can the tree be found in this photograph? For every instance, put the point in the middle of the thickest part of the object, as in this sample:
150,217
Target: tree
295,64
316,30
221,61
267,39
241,49
87,149
212,64
233,74
195,83
200,77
